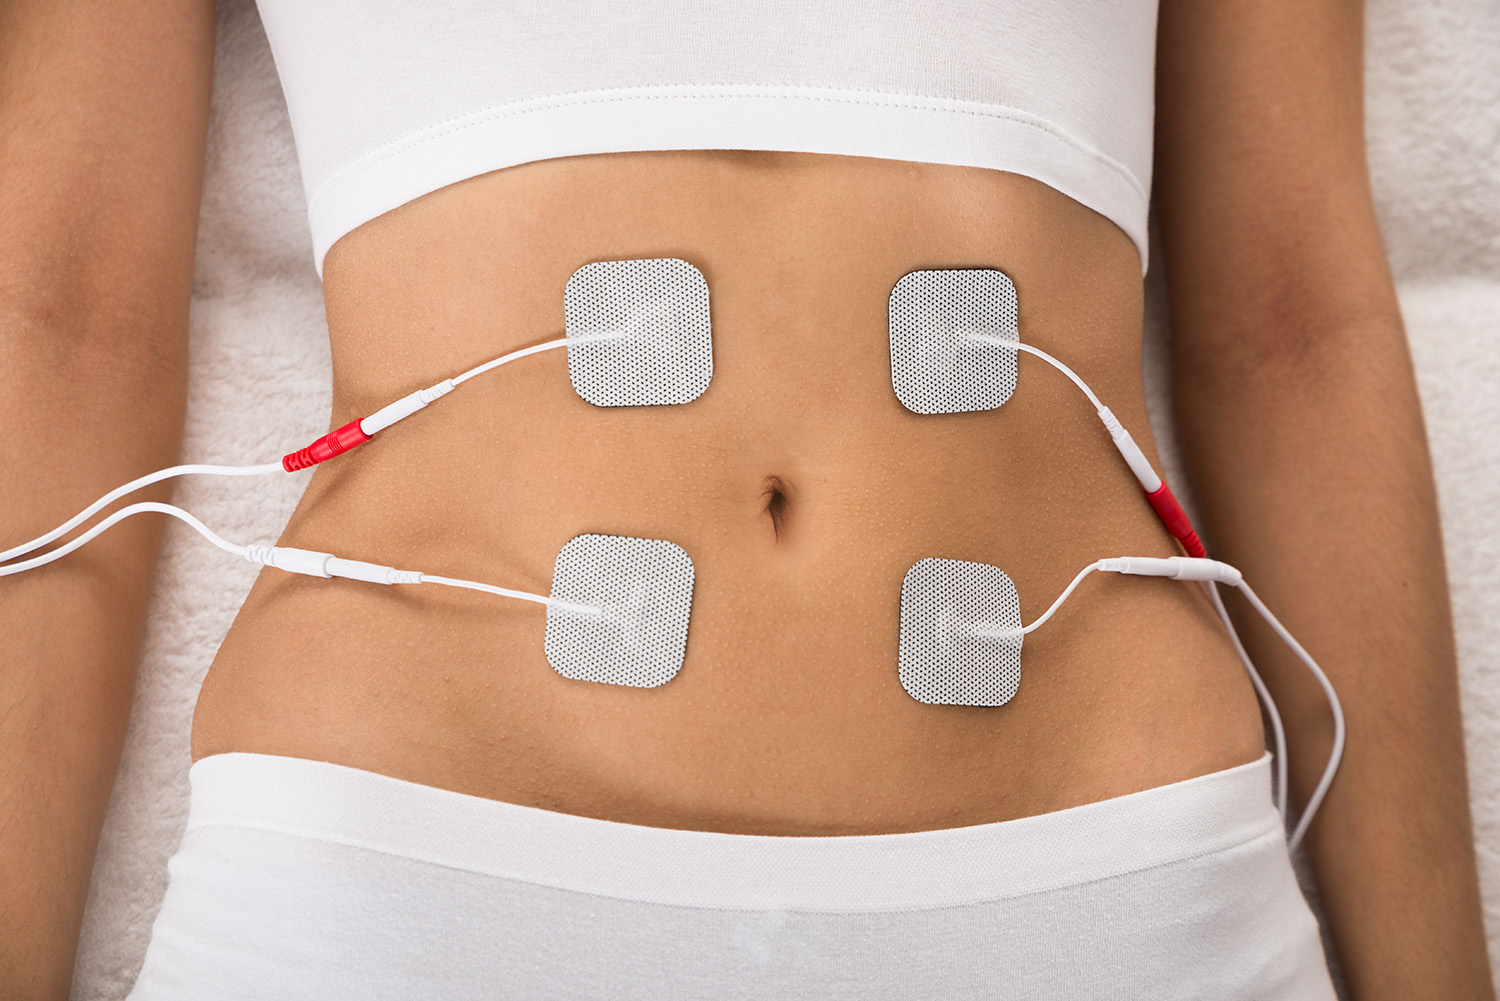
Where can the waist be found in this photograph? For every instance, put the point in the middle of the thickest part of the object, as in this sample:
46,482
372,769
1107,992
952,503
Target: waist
797,483
1181,891
938,868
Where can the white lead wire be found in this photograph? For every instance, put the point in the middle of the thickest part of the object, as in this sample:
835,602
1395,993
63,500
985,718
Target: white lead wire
1044,356
1337,753
506,592
1001,632
134,485
560,342
1278,731
191,520
201,469
507,358
141,507
1065,370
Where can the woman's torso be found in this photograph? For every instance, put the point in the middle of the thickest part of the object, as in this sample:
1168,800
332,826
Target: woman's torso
797,483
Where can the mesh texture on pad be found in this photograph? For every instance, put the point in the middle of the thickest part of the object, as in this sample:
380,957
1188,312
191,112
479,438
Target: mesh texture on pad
937,364
645,587
662,305
943,660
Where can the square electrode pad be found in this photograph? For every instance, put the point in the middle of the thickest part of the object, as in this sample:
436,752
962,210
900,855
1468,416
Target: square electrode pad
644,590
949,331
659,309
960,634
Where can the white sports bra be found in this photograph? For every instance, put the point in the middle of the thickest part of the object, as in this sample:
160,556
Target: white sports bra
391,99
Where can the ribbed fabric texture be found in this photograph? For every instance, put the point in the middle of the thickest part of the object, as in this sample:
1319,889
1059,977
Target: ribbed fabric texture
391,99
300,878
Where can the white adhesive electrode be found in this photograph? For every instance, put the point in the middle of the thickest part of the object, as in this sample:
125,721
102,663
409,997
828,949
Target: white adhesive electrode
660,306
644,590
949,336
946,656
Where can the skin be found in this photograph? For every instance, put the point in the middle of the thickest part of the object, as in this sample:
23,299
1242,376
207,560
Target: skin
798,485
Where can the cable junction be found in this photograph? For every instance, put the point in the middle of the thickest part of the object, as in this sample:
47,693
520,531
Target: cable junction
1158,494
300,561
334,443
1213,573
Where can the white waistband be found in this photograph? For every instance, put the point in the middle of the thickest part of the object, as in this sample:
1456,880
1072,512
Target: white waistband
335,803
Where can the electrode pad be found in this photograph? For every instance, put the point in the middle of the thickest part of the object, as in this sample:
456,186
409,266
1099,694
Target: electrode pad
644,588
661,308
950,610
948,336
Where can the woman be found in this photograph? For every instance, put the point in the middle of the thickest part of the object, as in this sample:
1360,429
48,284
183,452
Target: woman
800,488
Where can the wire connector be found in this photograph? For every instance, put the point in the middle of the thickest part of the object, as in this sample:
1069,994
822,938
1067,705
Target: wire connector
331,444
315,564
1130,451
358,432
404,407
1175,567
1175,518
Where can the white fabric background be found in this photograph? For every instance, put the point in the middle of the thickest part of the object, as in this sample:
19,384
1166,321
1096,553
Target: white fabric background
260,379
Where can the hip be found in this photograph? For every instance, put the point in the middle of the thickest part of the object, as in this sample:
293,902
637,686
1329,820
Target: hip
302,877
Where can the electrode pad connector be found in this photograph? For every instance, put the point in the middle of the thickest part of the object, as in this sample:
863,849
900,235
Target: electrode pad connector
951,611
644,590
949,331
660,306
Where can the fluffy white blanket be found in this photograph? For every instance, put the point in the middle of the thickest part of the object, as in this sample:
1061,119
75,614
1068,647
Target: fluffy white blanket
260,379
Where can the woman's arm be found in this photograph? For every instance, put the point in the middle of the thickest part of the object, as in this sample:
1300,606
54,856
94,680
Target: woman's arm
1303,436
103,116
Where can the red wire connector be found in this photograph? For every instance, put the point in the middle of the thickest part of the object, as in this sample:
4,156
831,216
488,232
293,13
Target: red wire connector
1157,492
326,447
1175,518
358,432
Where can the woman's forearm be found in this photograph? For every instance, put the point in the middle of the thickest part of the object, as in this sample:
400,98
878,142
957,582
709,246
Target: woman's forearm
1310,465
103,112
1304,443
71,639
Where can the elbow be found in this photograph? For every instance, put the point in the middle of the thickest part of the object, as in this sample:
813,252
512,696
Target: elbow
1290,347
78,331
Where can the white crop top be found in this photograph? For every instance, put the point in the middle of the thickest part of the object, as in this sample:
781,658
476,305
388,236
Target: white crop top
391,99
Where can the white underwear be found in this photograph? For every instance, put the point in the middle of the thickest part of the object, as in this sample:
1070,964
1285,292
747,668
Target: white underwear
304,879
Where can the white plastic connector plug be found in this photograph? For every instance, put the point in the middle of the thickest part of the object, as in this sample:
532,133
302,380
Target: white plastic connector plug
404,407
1175,567
1130,451
315,564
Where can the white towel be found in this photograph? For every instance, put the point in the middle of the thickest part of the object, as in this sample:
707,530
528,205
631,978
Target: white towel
260,379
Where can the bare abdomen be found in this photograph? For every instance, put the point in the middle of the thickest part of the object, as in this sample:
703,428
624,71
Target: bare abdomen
797,483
